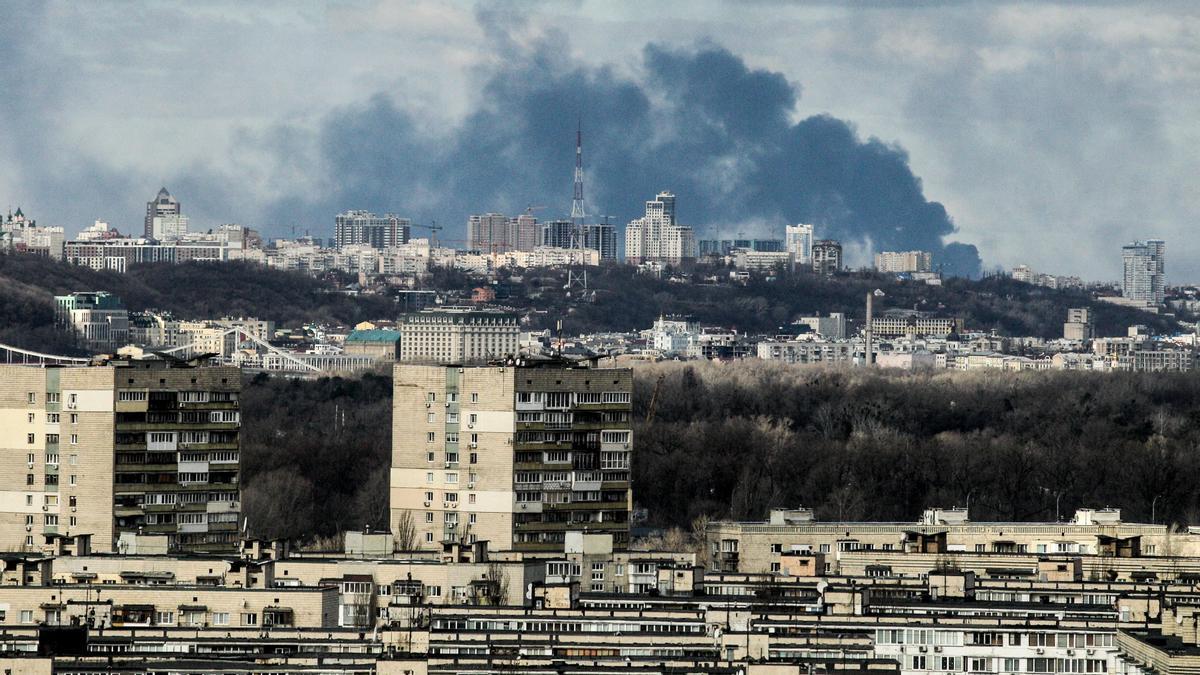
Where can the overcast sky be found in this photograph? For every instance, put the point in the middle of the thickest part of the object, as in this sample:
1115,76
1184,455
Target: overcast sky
1051,133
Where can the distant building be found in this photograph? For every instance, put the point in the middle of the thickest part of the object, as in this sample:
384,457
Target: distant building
915,325
458,335
482,294
163,206
798,241
899,262
600,237
382,344
656,237
808,351
724,247
98,317
363,227
760,261
832,327
490,233
1145,275
1078,325
827,256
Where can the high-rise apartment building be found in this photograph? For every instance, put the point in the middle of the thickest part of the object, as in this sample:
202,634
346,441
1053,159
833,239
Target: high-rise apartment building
523,232
601,237
364,227
163,206
826,256
458,335
1078,325
98,318
657,237
131,447
798,241
489,233
516,454
1145,275
899,262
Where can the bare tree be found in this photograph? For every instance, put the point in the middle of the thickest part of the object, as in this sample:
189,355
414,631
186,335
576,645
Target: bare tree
405,535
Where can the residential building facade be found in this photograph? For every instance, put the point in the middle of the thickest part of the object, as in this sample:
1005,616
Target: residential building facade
116,450
1145,271
899,262
363,227
162,206
656,237
826,256
98,318
458,335
516,455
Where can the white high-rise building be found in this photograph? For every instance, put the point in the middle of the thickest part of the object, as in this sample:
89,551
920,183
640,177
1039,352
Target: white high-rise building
798,241
657,237
1145,276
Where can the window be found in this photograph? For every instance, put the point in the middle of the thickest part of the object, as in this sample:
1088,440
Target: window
429,456
451,397
452,437
31,458
220,618
428,496
29,479
474,439
30,438
74,418
74,439
27,614
430,418
73,480
471,500
52,418
32,418
429,477
616,397
74,521
451,476
776,548
474,398
428,537
430,437
774,567
451,497
249,619
52,438
472,419
452,457
452,418
429,516
32,398
73,459
474,457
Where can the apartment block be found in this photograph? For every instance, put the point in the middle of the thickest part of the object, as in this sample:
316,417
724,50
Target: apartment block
458,335
516,455
130,447
98,318
899,262
826,256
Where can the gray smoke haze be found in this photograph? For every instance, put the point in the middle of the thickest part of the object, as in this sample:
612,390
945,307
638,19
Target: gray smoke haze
699,122
1052,132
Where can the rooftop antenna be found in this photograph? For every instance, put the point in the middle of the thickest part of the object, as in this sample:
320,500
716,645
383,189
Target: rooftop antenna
577,272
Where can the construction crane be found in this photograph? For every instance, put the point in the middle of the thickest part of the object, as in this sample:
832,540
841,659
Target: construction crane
433,228
531,208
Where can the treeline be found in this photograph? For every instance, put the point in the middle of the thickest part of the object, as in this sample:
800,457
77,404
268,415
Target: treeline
732,441
315,454
188,290
624,300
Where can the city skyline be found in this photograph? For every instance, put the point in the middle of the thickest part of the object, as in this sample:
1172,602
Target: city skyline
1018,63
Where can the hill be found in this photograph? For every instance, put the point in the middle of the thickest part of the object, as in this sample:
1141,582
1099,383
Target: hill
188,291
625,300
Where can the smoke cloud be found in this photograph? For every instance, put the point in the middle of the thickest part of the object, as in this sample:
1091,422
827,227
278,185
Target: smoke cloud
697,121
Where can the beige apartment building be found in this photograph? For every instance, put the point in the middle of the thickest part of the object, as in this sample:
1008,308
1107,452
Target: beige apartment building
458,335
128,447
762,546
516,455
